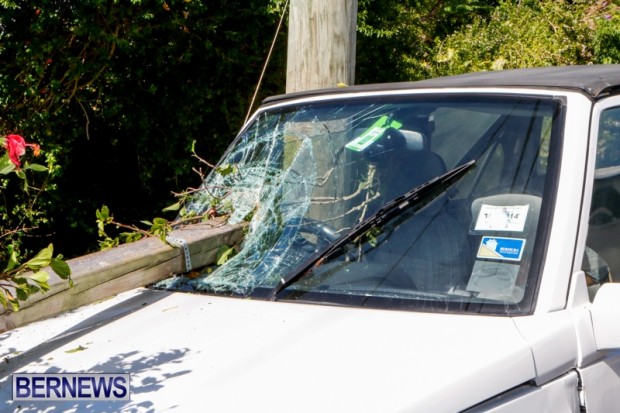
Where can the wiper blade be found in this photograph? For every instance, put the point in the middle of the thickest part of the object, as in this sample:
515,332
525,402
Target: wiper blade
393,208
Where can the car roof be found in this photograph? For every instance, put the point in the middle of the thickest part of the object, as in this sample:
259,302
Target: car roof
595,81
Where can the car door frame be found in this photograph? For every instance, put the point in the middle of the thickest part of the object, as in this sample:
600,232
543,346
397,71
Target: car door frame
599,370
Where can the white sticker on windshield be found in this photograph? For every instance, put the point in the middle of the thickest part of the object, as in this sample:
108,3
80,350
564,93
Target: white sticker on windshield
502,218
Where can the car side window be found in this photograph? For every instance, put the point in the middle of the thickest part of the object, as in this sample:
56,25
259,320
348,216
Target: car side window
601,261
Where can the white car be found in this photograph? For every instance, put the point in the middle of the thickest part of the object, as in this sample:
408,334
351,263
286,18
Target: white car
448,245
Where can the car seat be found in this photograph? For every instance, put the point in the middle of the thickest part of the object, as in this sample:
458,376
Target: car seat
428,252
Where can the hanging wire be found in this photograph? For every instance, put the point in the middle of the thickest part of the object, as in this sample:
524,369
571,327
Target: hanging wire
260,79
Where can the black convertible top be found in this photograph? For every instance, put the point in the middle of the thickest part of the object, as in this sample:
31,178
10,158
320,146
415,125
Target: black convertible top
595,81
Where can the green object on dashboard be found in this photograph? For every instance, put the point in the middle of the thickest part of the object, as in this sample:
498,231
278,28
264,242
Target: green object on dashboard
373,133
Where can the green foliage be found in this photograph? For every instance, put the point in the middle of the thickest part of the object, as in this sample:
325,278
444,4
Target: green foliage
20,217
224,253
606,39
160,227
226,169
416,39
19,279
396,38
106,241
556,33
117,93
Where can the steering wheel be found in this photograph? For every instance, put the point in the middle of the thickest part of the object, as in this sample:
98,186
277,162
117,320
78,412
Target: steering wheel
299,240
307,234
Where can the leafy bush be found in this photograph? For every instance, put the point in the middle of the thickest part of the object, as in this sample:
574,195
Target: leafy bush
18,278
396,38
556,33
606,39
118,92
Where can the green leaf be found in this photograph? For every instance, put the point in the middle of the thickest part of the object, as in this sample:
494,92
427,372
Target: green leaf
108,243
12,258
19,280
6,166
226,169
161,227
173,207
26,290
76,349
371,236
40,277
103,214
224,253
36,167
61,268
22,292
42,259
13,303
127,237
103,218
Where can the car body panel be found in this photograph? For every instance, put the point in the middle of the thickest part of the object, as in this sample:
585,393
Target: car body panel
601,382
556,396
333,358
552,339
599,370
561,247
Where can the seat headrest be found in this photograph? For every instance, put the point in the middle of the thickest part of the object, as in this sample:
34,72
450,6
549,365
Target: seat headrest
414,140
425,165
411,169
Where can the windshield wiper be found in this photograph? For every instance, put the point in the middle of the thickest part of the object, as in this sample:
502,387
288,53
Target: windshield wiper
428,191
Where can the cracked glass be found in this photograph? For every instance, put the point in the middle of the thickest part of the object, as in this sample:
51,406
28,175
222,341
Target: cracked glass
303,174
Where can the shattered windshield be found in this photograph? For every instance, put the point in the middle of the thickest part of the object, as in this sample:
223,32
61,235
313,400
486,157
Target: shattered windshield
303,175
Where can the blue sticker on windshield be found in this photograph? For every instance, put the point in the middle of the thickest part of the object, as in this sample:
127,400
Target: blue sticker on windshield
499,248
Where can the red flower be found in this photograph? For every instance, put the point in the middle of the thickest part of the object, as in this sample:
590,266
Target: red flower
16,146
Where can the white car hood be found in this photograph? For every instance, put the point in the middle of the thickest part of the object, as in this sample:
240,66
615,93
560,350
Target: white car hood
191,353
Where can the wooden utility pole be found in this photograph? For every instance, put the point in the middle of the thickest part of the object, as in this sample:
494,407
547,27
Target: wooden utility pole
321,44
